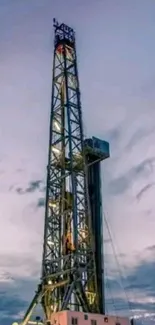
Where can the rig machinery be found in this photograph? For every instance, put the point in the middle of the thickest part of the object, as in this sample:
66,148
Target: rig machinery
72,279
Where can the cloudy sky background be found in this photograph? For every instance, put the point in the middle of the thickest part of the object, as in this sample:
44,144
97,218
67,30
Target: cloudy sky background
115,46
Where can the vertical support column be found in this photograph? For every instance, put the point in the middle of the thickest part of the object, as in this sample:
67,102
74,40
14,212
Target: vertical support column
95,194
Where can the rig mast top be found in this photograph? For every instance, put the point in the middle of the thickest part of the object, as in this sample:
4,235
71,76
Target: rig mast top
63,33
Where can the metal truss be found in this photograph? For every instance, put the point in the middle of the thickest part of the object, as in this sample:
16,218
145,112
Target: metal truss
68,268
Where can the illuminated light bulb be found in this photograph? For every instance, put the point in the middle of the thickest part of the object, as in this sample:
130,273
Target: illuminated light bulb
50,242
56,150
52,204
49,282
57,125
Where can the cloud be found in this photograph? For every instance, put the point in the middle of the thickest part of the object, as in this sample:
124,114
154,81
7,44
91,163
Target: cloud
32,187
114,134
141,280
151,248
16,265
5,277
11,306
123,182
15,298
144,190
41,202
137,137
138,296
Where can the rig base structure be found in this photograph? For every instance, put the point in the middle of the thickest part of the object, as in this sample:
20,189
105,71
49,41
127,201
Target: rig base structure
80,318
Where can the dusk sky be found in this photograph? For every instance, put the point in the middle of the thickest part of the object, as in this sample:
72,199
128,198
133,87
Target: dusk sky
116,61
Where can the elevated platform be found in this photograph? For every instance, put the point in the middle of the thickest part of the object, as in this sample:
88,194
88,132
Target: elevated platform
96,148
79,318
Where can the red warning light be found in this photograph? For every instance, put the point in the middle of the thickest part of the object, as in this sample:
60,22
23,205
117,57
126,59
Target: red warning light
60,49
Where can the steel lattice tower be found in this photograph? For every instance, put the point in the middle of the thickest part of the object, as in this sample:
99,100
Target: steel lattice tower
68,259
68,267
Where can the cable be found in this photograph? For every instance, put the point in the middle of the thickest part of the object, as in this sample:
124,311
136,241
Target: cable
109,290
119,269
118,265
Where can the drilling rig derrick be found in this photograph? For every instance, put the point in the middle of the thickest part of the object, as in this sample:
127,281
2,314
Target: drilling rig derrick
72,278
68,280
